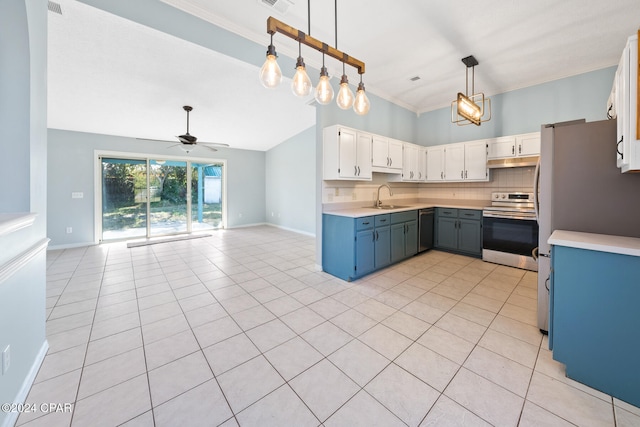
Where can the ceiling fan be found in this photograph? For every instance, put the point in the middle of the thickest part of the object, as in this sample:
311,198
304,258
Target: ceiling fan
187,141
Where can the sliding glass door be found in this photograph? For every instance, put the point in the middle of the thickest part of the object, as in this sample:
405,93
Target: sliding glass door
168,209
124,198
156,197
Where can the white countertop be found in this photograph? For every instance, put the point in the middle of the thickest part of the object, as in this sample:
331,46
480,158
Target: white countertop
361,211
596,242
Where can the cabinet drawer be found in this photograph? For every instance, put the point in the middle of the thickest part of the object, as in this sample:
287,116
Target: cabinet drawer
404,217
470,214
381,220
448,212
364,223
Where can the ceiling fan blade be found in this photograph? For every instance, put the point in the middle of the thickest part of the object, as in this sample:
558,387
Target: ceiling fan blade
153,139
214,144
208,147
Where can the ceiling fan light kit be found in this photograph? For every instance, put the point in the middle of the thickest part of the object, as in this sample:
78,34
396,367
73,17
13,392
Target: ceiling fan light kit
470,109
271,75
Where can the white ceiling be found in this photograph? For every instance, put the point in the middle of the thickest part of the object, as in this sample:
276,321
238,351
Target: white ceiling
112,76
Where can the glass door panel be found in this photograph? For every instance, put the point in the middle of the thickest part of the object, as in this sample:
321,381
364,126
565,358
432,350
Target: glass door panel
168,197
206,196
124,198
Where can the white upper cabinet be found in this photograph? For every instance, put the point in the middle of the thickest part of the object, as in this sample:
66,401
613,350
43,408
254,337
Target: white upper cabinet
435,163
386,154
502,147
506,147
454,162
475,161
626,108
413,163
346,154
464,161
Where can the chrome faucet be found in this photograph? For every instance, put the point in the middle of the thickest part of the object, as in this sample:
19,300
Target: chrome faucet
378,202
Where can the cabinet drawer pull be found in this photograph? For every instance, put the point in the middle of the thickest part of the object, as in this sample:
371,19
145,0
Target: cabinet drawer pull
365,223
383,220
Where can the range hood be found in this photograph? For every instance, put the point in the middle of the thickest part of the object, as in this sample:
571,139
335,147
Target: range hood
513,162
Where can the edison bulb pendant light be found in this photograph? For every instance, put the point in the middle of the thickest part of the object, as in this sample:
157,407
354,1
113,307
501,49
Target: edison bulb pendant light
345,95
324,91
361,105
270,73
301,84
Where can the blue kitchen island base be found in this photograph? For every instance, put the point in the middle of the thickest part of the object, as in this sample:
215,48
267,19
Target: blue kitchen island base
595,319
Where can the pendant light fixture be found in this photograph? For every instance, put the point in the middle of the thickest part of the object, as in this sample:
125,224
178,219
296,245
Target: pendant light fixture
324,91
470,109
301,84
361,105
270,73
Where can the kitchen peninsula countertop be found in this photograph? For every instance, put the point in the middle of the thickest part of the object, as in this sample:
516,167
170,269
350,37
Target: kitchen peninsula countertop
596,242
360,209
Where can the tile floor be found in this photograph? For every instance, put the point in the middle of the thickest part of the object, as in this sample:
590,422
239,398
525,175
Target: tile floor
239,329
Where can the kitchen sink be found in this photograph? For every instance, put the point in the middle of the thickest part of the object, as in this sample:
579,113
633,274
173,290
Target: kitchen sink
387,207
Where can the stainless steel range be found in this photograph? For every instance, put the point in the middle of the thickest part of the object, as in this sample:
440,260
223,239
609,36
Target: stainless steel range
510,230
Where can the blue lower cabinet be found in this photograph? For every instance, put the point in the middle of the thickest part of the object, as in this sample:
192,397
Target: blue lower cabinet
365,252
382,247
595,321
459,230
354,247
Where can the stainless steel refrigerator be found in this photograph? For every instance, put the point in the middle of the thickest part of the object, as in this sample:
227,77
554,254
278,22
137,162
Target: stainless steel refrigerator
579,188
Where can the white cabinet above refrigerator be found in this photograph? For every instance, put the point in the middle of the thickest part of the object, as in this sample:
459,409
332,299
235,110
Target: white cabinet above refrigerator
623,105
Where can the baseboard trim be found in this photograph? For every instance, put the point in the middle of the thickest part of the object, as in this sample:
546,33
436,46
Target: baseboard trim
71,246
306,233
21,397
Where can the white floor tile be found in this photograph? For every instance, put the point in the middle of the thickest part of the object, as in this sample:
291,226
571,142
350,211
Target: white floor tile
491,402
202,405
430,314
429,366
279,408
363,411
403,394
359,362
249,382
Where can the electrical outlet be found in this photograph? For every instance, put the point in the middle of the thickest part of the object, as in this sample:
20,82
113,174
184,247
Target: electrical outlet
77,195
69,230
6,359
337,191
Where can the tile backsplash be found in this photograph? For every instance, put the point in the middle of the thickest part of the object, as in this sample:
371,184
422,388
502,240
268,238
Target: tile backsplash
510,179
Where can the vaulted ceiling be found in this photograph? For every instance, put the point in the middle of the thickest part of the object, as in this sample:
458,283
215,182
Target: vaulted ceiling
110,75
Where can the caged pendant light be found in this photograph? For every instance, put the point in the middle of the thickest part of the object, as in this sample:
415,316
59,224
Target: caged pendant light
470,109
271,75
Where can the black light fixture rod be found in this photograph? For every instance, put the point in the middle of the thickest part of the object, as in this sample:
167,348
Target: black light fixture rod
335,9
309,16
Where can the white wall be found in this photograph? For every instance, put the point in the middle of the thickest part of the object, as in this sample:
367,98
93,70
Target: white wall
71,169
23,169
290,183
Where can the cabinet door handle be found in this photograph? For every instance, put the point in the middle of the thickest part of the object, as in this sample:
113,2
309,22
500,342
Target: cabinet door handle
465,174
513,149
390,161
358,170
461,174
441,175
618,149
377,235
355,170
520,149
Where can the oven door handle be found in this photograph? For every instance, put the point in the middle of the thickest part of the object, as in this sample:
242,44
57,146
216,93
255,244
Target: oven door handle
503,215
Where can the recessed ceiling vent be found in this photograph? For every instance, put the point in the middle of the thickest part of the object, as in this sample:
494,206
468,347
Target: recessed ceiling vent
415,79
280,6
55,7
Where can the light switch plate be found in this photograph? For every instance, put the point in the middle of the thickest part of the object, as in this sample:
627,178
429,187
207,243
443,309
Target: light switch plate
77,195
